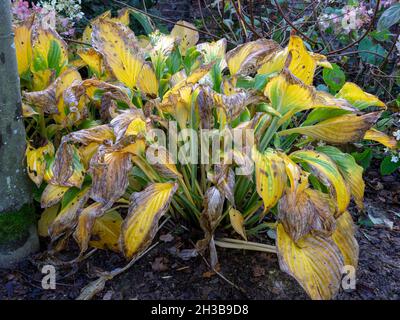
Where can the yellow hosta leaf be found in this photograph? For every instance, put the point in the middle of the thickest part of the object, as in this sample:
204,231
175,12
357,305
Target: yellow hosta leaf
270,176
212,51
106,231
147,80
338,130
286,93
49,51
42,79
68,216
379,136
325,169
246,58
302,63
315,262
87,33
120,50
86,221
358,98
52,195
36,163
128,123
23,46
87,152
344,237
46,219
28,111
93,60
351,171
146,209
274,63
237,222
186,34
293,171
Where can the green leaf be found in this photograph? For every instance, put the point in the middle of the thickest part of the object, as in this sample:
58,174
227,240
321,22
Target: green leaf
374,58
54,56
388,167
389,17
364,158
144,21
334,78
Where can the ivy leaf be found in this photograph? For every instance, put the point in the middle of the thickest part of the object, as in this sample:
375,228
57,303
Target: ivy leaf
334,78
371,58
389,17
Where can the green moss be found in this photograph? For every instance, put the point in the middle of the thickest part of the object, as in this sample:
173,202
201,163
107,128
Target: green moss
14,226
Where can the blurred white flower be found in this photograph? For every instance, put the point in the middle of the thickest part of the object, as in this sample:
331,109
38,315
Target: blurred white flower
394,159
396,134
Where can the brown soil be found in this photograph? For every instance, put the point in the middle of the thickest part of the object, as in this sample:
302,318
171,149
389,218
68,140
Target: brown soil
163,274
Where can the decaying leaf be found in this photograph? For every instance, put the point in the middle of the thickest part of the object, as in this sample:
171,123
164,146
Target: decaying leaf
68,216
46,219
186,34
352,128
106,231
315,262
237,221
146,209
109,169
271,177
52,195
358,98
381,137
247,58
36,163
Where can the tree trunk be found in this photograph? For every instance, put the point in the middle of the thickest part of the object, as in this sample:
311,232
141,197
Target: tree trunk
17,237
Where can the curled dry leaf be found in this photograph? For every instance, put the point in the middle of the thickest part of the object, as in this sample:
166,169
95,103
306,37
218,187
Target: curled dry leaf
67,170
306,210
86,220
213,204
68,216
128,123
109,169
247,58
141,223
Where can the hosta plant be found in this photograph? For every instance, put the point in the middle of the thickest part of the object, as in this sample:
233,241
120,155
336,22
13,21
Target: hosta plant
117,136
